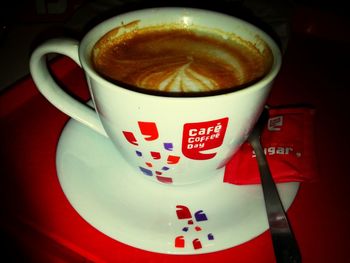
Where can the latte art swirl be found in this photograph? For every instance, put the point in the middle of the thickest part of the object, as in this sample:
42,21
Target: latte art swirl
176,74
178,60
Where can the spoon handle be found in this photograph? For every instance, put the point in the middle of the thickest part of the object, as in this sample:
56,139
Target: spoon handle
284,243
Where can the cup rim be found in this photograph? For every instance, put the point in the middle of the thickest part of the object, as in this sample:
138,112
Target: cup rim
100,29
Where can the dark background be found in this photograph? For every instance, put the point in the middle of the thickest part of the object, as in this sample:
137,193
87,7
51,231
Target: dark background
24,24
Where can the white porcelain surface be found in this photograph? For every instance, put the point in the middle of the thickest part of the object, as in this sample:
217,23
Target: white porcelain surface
102,189
203,131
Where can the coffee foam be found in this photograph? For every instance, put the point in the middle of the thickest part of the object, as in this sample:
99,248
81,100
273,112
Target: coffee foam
178,60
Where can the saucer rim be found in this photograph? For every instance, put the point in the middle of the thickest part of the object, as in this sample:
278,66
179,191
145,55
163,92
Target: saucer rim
260,228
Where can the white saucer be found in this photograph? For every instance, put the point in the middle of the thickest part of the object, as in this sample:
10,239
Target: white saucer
108,195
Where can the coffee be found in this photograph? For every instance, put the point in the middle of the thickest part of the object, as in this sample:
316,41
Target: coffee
176,59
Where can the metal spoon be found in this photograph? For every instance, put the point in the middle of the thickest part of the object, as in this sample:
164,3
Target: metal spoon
284,243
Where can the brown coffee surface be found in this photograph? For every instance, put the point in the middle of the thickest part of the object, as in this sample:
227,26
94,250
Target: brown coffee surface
179,60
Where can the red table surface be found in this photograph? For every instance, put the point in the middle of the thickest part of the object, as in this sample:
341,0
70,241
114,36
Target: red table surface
38,224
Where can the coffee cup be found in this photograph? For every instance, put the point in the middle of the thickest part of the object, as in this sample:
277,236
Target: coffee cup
177,90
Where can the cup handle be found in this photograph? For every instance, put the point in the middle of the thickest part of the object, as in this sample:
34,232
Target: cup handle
54,93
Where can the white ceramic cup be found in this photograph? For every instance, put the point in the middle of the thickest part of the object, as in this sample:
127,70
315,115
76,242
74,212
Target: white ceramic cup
171,140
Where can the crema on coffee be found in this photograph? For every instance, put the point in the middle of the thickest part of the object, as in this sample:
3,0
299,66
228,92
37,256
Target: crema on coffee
176,59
